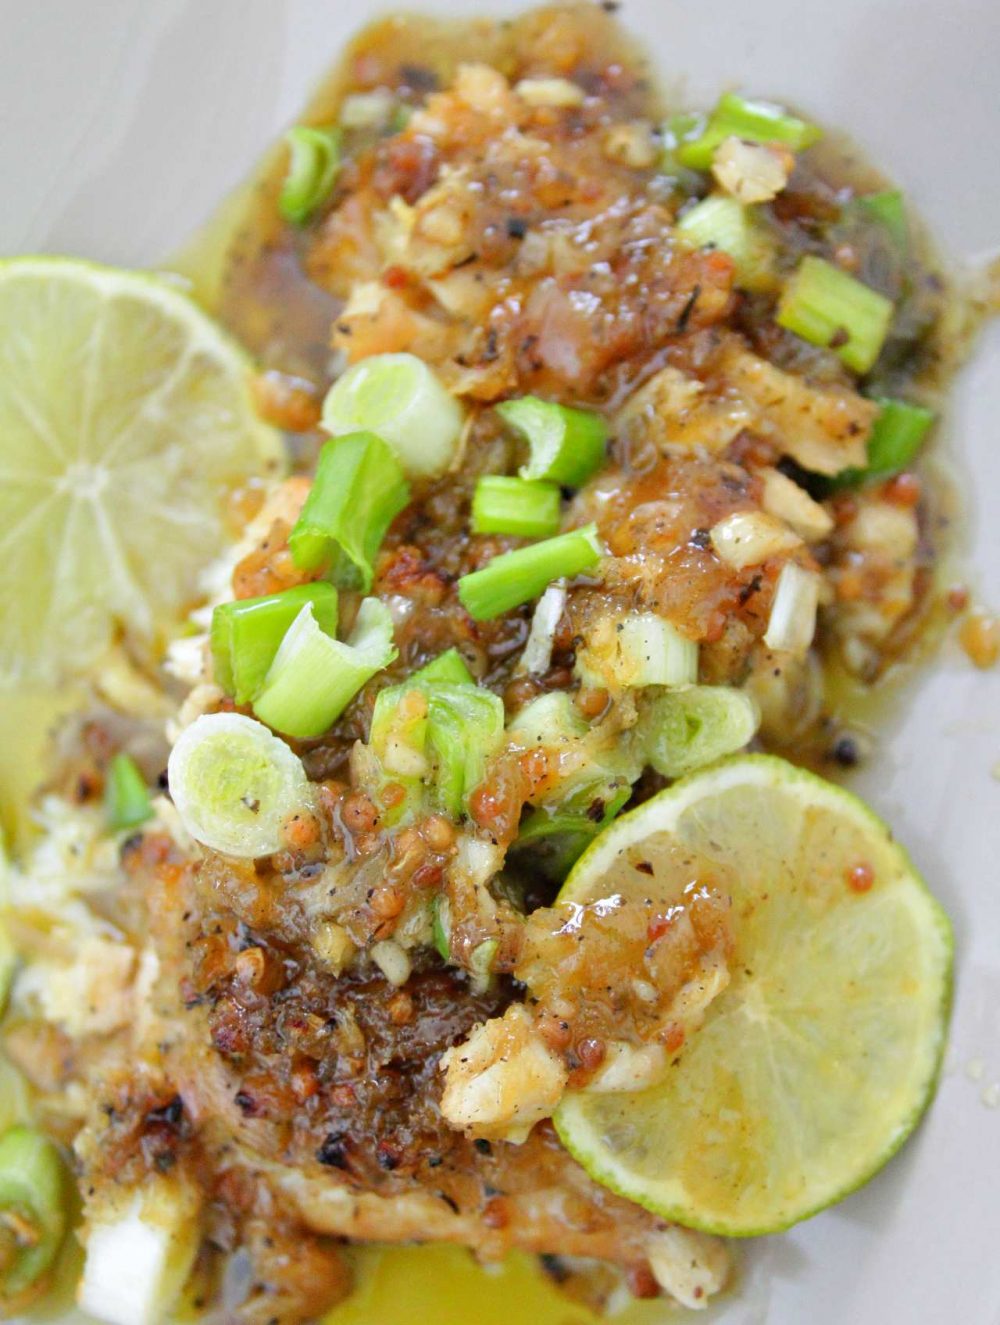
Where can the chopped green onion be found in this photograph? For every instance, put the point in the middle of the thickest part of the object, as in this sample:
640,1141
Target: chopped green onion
723,223
516,506
313,677
401,399
686,729
684,127
441,926
358,491
246,634
448,667
234,784
896,436
825,306
551,841
889,210
313,166
641,650
567,445
33,1204
517,577
481,964
756,121
464,729
126,796
399,733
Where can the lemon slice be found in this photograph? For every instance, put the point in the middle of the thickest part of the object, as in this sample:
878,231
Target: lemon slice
817,1061
125,416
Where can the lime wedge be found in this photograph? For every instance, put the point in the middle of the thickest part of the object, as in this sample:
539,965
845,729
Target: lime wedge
817,1061
125,416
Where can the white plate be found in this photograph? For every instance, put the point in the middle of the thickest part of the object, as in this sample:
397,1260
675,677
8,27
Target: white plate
124,122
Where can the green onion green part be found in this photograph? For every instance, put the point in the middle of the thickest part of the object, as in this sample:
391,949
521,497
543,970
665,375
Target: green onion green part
234,784
448,667
441,926
889,210
126,796
33,1204
358,491
400,398
516,506
517,577
567,445
896,436
246,634
755,121
465,726
313,166
723,223
686,729
825,306
313,677
553,839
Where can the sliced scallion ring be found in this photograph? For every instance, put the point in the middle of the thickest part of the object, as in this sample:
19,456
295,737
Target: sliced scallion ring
398,397
234,784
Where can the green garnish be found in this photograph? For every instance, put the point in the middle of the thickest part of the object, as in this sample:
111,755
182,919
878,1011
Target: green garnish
358,491
313,677
896,436
313,166
33,1204
400,398
246,634
825,306
517,577
756,121
516,506
126,796
567,445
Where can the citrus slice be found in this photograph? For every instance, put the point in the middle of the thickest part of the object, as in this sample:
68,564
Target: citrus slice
125,417
816,1062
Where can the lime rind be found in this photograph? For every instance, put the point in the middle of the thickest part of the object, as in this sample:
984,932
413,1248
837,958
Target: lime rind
596,1129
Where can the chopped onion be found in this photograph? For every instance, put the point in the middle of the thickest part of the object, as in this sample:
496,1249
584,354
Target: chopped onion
748,538
140,1255
234,784
792,623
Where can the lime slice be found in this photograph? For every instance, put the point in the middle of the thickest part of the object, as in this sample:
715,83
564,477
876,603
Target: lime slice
817,1061
125,416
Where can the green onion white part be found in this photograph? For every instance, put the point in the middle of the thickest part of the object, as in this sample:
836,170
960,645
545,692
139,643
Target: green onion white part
723,223
641,649
313,677
688,728
401,399
234,784
537,654
791,626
